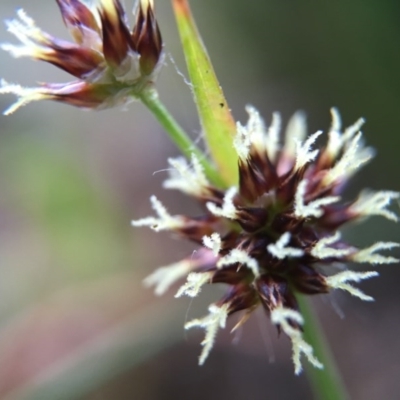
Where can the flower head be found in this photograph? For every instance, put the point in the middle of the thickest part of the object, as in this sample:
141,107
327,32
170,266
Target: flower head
111,62
276,233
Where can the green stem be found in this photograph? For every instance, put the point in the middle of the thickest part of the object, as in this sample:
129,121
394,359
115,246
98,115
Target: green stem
326,383
150,99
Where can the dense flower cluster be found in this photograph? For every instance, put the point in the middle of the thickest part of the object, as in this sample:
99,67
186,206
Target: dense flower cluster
112,63
277,232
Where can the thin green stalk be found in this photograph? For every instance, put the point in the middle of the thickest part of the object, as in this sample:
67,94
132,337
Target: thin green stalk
326,383
151,100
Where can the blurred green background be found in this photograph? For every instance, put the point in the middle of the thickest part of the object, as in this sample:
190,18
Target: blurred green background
75,321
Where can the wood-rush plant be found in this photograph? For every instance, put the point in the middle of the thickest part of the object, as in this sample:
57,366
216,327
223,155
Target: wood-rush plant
272,206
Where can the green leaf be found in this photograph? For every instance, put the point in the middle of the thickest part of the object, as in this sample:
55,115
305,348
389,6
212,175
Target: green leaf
216,119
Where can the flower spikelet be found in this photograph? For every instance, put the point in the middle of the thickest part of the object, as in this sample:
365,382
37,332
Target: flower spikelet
276,233
111,62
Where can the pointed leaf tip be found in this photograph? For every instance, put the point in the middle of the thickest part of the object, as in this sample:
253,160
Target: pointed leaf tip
182,7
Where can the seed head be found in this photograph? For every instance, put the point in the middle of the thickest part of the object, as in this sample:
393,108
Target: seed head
276,233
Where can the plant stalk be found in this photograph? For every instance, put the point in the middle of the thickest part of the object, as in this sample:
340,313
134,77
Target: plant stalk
151,100
327,383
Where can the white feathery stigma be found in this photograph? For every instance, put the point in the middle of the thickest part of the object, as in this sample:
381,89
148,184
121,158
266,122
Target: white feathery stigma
228,209
337,140
189,179
237,256
210,323
281,250
282,317
304,154
368,255
242,141
340,281
252,134
313,208
163,277
213,242
352,159
26,31
375,203
25,95
164,221
194,283
322,249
